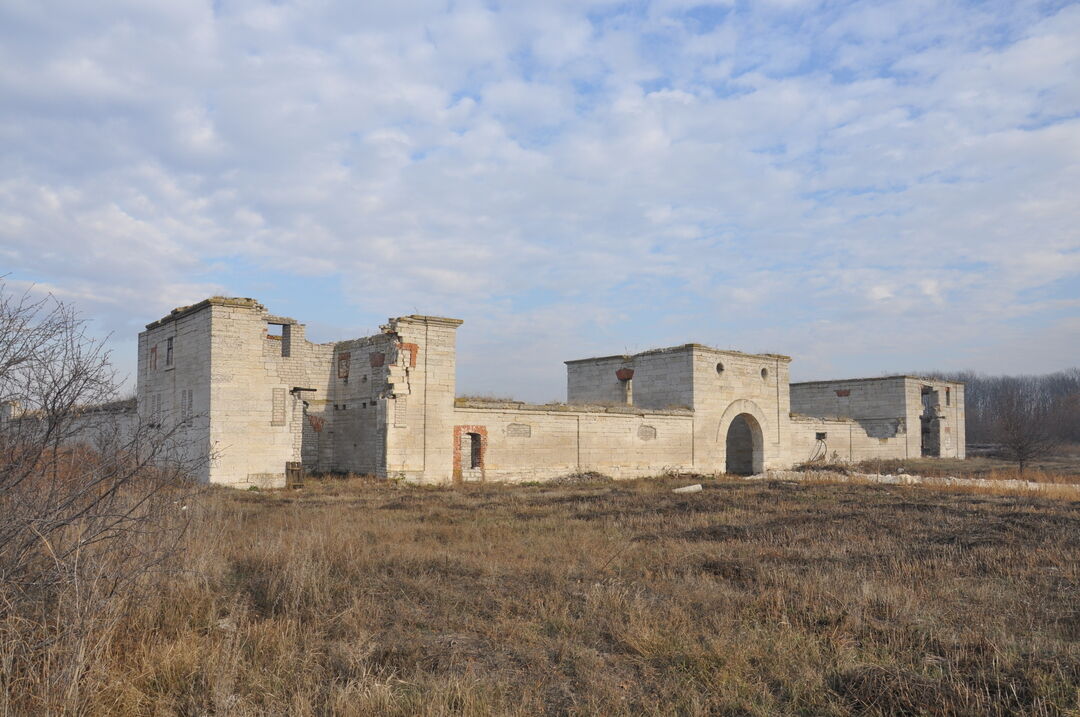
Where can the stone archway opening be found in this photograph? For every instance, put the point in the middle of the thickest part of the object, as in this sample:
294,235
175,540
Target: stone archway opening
745,446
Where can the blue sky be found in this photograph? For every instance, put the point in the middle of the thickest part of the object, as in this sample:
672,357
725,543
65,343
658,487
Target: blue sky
870,187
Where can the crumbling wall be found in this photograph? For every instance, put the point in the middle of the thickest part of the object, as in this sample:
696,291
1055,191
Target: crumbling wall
422,381
845,439
362,397
255,394
891,407
935,415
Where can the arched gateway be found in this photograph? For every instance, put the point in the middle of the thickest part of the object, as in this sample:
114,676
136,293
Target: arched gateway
744,448
742,431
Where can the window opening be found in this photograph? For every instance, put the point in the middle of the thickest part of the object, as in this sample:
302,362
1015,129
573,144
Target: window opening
281,333
168,351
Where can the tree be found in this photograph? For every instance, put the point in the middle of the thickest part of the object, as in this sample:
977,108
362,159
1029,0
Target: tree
1024,424
89,494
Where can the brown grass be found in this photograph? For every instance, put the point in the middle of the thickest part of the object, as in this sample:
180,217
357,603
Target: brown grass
358,597
1063,466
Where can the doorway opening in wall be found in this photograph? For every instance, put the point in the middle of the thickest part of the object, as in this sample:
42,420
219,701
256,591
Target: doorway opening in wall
470,453
930,421
744,446
475,455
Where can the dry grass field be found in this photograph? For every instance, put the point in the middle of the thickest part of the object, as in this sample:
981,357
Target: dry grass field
1061,466
355,597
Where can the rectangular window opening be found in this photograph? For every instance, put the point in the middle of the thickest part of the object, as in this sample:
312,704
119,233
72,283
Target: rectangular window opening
168,351
281,333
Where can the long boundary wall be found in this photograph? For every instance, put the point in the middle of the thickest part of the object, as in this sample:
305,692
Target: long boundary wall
523,442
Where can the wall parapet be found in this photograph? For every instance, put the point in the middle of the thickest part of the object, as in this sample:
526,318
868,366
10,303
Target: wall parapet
925,379
679,349
181,311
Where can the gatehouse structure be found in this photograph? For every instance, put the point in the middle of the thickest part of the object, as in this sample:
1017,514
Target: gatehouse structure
253,395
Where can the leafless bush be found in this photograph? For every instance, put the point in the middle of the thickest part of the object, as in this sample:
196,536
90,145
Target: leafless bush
1025,427
90,496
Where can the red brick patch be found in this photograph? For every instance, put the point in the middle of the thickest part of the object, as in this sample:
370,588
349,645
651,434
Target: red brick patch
843,392
413,350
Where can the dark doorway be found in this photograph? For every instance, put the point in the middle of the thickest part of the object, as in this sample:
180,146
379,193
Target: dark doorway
744,446
475,448
472,456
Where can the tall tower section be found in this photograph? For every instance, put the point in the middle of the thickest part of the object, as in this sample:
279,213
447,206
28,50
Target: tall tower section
420,414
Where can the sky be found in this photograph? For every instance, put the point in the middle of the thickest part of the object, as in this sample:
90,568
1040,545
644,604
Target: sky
870,187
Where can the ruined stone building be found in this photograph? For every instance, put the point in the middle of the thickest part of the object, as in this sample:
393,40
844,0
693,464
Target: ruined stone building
254,394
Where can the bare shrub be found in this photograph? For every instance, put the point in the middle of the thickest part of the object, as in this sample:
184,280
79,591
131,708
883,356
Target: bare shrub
1025,427
90,495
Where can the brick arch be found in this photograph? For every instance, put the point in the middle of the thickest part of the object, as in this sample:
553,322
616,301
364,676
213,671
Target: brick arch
759,427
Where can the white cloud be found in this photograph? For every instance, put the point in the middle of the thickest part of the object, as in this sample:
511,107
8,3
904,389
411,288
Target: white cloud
774,176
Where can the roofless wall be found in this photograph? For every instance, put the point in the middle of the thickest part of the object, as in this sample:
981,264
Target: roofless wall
255,395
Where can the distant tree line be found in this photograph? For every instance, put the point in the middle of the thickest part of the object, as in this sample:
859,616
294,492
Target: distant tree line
1023,417
1053,397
